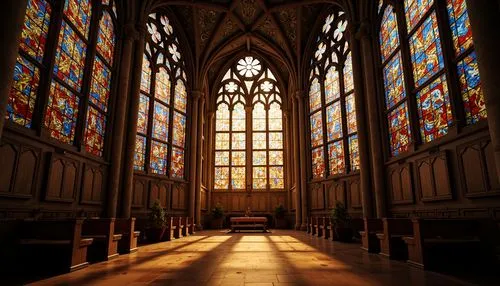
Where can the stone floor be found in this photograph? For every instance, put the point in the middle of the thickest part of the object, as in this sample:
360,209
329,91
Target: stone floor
278,258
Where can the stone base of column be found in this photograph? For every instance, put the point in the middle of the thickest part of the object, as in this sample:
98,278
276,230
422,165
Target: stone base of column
297,226
198,227
303,227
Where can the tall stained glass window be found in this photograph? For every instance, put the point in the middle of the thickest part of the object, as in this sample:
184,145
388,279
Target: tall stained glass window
72,113
332,103
249,94
428,97
161,124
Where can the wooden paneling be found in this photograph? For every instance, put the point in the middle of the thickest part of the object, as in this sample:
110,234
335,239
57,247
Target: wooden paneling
19,173
92,185
26,173
277,199
62,180
317,196
140,188
354,191
434,178
159,192
335,193
401,184
238,203
179,196
8,154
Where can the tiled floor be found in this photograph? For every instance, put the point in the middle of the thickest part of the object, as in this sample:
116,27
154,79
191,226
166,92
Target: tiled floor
278,258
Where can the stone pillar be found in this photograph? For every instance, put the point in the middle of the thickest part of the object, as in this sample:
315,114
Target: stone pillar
209,168
12,21
363,140
128,167
296,164
199,167
118,130
485,23
196,94
374,128
299,95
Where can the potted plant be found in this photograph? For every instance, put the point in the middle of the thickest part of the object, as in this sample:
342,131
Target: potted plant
217,216
156,223
341,223
279,216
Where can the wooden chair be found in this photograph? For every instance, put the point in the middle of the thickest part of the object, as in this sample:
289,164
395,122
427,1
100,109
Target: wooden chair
319,226
312,225
177,226
128,243
391,237
53,245
192,225
169,234
326,226
369,238
102,230
187,225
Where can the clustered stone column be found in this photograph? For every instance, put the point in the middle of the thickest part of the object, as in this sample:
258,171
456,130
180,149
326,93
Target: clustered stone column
196,95
296,164
485,24
12,20
299,96
374,130
199,154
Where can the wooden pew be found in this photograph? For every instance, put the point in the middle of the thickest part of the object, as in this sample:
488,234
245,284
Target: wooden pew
391,237
53,245
187,226
102,230
248,223
169,234
308,228
128,243
357,225
369,239
192,225
439,243
178,226
319,226
326,227
312,225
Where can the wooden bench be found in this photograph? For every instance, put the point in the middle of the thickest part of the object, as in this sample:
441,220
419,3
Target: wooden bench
53,245
177,227
327,227
187,225
102,230
170,230
369,238
357,225
312,223
319,226
391,237
248,223
126,227
308,229
192,225
439,243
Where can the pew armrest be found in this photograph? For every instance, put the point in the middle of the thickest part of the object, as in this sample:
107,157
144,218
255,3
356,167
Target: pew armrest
84,242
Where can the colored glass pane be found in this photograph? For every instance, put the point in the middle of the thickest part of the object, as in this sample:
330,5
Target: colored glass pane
238,141
160,121
222,118
434,110
162,85
275,157
259,141
259,177
314,95
415,10
222,141
276,180
336,158
180,96
318,162
101,85
70,57
394,82
238,177
389,36
158,158
399,129
275,117
106,38
259,158
426,53
145,74
348,76
259,117
94,131
23,92
177,165
78,13
248,67
221,178
332,85
470,87
354,152
142,120
238,158
334,121
179,132
62,113
316,129
275,140
222,158
460,25
238,120
350,108
140,153
36,27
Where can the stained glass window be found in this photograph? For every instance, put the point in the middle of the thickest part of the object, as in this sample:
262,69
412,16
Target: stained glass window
333,151
162,102
470,86
389,37
399,129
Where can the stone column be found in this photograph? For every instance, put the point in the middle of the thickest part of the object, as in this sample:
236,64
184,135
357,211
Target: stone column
128,167
199,167
363,140
374,130
209,160
296,164
12,21
299,95
118,130
485,23
196,94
